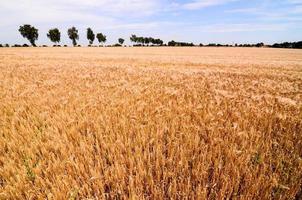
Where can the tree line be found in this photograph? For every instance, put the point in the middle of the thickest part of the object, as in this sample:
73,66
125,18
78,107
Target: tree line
31,34
181,44
261,44
141,41
291,45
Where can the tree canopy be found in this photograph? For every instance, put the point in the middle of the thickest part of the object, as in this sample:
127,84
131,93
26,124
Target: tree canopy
133,38
29,32
73,35
54,35
146,40
90,36
294,45
101,37
182,44
121,41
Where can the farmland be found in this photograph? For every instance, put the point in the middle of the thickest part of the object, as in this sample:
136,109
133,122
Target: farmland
150,123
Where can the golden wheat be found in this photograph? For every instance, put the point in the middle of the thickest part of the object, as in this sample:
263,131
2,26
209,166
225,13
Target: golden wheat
150,123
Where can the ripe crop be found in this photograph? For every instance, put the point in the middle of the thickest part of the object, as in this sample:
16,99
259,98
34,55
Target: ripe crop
150,123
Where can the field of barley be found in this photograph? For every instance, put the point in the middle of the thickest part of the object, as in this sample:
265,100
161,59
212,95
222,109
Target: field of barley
150,123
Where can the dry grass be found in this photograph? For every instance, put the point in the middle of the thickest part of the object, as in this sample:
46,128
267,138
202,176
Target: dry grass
150,123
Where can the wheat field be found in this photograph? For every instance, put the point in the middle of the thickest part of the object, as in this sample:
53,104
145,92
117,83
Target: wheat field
150,123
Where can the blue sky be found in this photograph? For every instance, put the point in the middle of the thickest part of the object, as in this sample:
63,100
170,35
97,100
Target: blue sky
198,21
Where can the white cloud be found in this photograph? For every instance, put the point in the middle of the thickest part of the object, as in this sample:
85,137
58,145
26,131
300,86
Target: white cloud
297,10
198,4
244,10
288,10
136,7
78,9
249,27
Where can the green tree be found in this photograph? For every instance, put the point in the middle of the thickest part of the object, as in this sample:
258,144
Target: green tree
140,40
101,37
159,42
29,32
90,36
147,40
172,43
152,40
73,35
133,38
121,41
54,35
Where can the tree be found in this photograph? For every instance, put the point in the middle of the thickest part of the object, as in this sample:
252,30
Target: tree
298,45
146,40
261,44
295,45
90,36
29,32
101,37
54,35
152,40
159,42
140,40
121,41
133,38
172,43
73,35
184,44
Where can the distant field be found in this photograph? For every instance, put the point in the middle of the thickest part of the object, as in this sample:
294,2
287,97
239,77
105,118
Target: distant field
150,123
